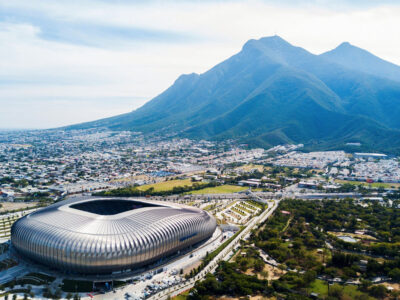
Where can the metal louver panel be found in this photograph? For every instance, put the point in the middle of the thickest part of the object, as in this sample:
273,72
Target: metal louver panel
86,242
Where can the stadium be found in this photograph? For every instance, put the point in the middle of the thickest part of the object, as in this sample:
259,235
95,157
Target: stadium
106,235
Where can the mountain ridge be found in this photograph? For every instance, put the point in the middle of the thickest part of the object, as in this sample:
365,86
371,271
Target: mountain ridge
355,58
273,92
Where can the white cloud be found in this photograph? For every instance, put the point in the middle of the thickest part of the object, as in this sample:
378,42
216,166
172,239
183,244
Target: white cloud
35,70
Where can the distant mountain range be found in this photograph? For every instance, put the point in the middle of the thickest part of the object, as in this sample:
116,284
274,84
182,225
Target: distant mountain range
272,93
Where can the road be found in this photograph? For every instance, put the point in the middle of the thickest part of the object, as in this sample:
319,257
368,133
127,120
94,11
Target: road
11,273
187,260
183,262
211,267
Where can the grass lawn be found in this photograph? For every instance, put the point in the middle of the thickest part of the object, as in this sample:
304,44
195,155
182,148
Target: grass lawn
256,204
222,189
319,287
322,257
353,235
250,167
354,293
258,189
209,207
166,185
234,209
182,296
385,185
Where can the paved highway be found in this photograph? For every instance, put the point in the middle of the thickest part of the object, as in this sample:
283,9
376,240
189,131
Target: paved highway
210,268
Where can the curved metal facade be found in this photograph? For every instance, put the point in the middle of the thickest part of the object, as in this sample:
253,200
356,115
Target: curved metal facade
78,241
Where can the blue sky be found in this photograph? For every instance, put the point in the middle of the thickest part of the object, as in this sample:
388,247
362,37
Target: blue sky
66,62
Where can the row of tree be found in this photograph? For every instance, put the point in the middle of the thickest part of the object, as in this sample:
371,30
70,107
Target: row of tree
134,191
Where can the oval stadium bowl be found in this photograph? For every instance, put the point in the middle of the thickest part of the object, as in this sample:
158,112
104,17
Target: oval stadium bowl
106,235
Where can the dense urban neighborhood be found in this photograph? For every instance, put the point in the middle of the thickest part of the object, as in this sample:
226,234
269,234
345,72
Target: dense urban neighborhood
46,166
291,224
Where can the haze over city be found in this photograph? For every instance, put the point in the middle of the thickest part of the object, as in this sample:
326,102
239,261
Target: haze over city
66,63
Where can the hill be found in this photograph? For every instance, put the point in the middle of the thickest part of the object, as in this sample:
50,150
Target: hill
359,59
272,92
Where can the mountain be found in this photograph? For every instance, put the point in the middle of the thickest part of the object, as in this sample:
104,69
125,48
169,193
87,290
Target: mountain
272,92
358,59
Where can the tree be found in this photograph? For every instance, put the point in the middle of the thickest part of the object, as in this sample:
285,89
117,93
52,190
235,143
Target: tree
395,274
264,274
259,265
378,291
69,296
365,284
336,291
309,277
243,264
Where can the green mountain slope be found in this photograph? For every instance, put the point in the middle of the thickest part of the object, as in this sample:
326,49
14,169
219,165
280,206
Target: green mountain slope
272,93
358,59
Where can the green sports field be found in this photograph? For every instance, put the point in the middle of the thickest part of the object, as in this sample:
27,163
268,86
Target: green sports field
165,185
222,189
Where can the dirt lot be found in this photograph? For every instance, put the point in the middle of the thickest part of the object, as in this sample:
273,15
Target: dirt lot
251,298
133,178
273,273
6,206
395,286
191,267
